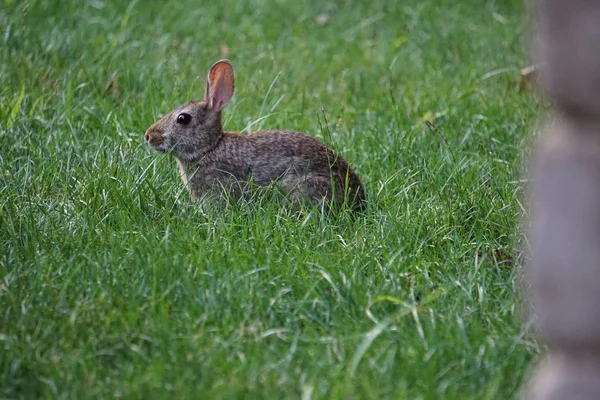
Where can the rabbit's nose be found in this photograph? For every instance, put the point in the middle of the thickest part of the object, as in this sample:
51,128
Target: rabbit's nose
150,133
153,137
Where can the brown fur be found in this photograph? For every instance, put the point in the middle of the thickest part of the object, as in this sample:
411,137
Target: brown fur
212,161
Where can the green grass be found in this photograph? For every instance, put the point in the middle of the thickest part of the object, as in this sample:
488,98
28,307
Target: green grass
113,283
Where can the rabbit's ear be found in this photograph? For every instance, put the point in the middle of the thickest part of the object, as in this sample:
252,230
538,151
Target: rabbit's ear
219,85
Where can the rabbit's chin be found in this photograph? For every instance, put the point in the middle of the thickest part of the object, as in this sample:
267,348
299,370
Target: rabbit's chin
161,148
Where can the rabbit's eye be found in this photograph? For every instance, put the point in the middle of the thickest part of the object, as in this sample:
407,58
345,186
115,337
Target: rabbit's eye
184,118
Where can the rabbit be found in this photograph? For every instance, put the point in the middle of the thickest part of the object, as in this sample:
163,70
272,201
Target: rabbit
212,161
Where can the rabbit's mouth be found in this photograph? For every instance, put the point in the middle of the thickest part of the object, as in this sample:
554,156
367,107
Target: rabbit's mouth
161,147
161,144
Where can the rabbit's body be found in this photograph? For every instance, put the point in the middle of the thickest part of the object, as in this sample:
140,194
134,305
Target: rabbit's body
212,162
299,164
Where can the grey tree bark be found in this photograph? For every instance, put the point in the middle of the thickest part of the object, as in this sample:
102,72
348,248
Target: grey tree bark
565,220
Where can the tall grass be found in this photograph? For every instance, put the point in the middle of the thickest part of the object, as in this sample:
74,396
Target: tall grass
114,283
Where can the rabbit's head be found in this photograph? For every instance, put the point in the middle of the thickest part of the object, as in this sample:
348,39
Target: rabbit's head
192,130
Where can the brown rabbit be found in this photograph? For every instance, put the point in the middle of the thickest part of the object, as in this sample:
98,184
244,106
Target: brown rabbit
212,161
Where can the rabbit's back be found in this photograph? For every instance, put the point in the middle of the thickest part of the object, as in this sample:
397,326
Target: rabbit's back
276,152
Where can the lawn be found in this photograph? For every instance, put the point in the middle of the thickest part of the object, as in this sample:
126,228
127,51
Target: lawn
114,283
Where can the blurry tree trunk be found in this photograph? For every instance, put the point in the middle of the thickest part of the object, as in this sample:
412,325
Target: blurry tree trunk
565,272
